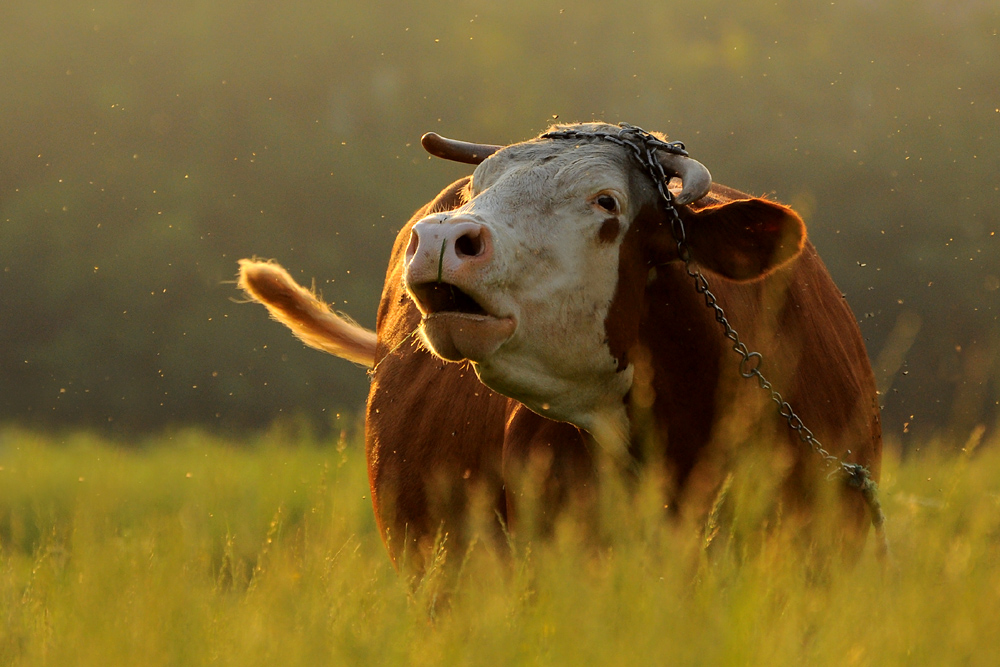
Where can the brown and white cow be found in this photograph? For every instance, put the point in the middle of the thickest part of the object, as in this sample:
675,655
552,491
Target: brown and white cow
536,315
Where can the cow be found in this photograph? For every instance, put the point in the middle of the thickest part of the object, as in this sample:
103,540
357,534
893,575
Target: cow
541,316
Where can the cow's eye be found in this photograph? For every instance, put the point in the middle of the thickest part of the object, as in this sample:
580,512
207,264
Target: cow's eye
608,203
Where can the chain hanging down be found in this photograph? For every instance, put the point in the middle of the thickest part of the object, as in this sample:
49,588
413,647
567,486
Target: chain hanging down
643,147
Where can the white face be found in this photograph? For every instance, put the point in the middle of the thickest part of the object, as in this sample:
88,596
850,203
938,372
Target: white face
544,271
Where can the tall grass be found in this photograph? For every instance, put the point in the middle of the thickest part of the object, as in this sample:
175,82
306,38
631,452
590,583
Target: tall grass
193,550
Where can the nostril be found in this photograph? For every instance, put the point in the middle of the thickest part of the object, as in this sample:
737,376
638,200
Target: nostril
411,249
469,244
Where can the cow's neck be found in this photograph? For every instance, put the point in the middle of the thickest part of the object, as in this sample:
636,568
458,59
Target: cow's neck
676,359
611,431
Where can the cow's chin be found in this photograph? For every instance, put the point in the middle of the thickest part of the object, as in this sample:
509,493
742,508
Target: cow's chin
456,336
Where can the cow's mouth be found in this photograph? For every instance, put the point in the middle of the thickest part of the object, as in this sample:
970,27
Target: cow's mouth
456,326
433,298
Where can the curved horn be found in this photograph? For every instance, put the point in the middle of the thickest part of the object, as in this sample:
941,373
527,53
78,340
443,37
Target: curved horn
456,151
696,179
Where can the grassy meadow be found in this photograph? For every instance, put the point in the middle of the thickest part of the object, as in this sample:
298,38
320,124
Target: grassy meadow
188,549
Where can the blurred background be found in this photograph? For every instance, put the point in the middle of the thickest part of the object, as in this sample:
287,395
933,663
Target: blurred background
145,148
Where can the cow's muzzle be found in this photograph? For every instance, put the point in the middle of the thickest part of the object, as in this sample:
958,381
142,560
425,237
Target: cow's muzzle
443,250
445,259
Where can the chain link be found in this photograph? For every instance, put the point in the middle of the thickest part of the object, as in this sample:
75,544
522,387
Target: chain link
643,147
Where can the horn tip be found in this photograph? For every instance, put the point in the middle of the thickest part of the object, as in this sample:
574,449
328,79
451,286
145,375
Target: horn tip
429,139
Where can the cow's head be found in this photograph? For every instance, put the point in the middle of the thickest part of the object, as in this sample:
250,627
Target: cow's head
527,278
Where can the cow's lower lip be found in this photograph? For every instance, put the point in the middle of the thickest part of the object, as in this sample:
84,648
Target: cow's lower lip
455,336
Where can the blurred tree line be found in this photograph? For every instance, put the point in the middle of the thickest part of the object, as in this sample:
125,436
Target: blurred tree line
145,148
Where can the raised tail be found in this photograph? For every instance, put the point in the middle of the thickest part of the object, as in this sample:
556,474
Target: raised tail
310,319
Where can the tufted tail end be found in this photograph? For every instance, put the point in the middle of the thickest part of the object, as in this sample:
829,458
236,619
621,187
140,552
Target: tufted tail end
310,319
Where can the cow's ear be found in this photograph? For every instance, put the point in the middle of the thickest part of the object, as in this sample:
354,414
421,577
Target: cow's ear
746,238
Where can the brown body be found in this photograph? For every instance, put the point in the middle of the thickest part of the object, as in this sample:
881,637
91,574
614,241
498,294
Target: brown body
438,439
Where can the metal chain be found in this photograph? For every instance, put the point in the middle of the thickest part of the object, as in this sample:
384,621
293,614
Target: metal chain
643,147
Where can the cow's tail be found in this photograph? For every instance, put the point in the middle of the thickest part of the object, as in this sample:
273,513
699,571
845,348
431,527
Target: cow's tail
309,318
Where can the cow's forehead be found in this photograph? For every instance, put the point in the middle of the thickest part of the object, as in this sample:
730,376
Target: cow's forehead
564,163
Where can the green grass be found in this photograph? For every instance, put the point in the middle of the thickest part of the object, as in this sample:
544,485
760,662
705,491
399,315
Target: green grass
188,550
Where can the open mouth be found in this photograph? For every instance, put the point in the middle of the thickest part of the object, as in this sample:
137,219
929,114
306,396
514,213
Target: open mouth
456,326
435,298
